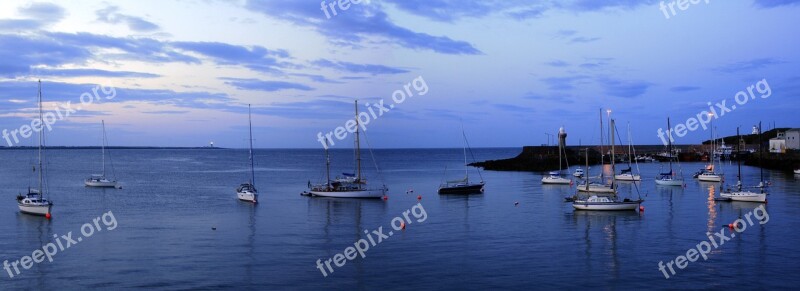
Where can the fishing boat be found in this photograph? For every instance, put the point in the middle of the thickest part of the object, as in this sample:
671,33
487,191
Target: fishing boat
247,191
739,193
100,180
602,202
348,185
35,201
669,178
627,174
709,175
463,186
555,177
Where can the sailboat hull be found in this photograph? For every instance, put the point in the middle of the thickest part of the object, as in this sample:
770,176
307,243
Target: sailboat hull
378,193
556,181
247,196
100,184
709,178
40,210
616,206
465,189
628,177
593,188
745,196
669,182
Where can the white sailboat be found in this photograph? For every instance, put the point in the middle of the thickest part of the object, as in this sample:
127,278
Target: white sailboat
599,202
100,180
35,202
741,194
710,175
348,185
627,174
797,171
556,177
670,178
247,191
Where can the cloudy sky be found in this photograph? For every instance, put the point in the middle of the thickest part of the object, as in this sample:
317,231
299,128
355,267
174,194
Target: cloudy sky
511,70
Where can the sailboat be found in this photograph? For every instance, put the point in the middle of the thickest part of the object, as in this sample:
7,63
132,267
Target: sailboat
348,185
100,180
555,177
35,201
670,179
463,186
740,194
709,175
627,174
247,191
598,187
597,201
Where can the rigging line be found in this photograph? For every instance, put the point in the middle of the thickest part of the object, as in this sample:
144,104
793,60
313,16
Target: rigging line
374,161
635,185
110,159
471,154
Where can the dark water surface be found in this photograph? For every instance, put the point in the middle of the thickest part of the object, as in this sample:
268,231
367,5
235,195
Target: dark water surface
172,199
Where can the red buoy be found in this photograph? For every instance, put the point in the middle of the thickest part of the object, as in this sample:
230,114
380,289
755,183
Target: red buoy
419,197
730,225
641,208
385,197
402,225
47,215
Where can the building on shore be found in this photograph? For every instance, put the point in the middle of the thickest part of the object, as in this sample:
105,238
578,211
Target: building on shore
789,139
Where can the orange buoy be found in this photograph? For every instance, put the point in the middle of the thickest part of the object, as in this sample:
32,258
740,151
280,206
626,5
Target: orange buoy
48,215
402,225
730,225
641,208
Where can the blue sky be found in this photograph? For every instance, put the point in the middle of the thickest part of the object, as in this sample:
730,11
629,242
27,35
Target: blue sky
512,70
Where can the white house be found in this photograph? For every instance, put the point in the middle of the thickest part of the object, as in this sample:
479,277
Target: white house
778,144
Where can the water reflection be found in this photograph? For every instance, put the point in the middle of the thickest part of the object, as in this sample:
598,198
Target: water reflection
606,223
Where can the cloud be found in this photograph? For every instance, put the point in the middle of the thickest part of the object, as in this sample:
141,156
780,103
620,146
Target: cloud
318,78
37,15
358,24
684,88
256,58
557,63
746,66
90,73
624,88
359,68
112,15
260,85
563,83
775,3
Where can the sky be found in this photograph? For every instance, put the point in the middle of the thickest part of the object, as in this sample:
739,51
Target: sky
510,71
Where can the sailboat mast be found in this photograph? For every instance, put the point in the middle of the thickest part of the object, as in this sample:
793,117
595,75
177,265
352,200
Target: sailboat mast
611,124
586,172
602,142
738,158
760,151
669,144
464,135
252,163
358,150
41,140
327,167
103,146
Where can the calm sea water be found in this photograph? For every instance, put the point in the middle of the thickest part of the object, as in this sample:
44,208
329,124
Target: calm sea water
171,199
